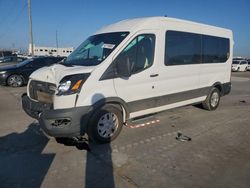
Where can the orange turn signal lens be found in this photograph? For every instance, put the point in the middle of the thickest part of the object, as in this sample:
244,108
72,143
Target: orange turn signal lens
77,85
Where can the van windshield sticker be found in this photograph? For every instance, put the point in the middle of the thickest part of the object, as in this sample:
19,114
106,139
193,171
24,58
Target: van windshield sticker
108,46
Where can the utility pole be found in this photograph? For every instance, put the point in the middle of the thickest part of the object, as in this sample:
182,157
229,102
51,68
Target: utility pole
31,45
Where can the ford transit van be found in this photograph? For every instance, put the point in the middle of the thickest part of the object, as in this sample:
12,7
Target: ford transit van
130,69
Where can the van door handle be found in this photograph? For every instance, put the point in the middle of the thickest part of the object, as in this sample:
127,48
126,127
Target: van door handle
154,75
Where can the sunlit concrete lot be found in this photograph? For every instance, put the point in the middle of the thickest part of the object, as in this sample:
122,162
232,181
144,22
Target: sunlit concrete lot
143,156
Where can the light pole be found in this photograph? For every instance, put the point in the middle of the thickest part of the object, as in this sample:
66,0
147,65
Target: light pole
30,29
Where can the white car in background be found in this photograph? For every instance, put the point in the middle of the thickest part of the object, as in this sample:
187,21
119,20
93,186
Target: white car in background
248,67
239,65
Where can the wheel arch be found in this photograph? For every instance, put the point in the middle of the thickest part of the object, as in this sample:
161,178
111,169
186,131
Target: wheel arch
219,86
116,101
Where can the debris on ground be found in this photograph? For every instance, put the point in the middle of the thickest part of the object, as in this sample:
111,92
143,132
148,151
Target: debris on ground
182,137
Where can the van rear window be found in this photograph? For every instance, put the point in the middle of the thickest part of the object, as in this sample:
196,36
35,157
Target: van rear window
215,49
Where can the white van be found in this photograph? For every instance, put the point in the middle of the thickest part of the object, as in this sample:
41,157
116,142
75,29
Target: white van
239,65
130,69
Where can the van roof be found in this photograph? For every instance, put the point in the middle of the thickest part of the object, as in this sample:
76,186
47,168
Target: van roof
137,24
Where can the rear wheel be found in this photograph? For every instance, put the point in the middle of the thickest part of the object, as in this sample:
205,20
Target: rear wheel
105,124
15,81
213,99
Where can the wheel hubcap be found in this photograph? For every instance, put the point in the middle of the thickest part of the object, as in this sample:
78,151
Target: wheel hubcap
214,99
107,125
15,81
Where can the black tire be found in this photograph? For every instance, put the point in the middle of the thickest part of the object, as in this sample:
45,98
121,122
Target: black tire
15,80
238,69
210,103
94,127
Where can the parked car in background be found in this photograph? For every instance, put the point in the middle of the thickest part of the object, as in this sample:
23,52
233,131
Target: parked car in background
239,65
11,60
248,66
4,53
18,74
239,58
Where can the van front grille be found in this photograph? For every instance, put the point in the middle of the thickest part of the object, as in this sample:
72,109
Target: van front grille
41,91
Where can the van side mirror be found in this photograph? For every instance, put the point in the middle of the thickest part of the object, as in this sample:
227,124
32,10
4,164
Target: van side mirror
123,66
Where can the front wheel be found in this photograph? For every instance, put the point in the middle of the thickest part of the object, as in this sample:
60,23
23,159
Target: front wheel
105,124
213,99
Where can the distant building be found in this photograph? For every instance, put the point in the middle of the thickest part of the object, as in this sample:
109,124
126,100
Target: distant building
51,51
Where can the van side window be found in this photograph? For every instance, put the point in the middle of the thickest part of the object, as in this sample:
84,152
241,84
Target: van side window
182,48
140,52
215,49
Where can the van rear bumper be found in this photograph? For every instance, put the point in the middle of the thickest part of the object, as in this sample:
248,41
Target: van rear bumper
58,123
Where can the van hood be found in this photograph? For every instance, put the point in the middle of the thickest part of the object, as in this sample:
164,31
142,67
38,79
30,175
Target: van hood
55,73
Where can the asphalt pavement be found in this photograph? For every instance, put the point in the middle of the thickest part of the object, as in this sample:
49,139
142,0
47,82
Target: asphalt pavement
146,154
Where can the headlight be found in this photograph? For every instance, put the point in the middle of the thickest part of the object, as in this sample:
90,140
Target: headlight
2,72
71,84
63,87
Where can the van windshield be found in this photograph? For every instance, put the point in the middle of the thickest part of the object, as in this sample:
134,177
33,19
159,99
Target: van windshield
95,49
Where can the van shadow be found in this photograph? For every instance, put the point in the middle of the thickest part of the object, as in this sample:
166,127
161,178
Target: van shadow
22,163
99,167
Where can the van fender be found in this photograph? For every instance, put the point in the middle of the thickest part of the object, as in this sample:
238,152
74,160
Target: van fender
113,101
219,86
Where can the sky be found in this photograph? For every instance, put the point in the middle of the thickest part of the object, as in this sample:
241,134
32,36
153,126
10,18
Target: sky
75,20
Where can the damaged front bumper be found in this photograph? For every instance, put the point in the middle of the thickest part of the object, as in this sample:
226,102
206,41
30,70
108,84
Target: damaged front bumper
67,122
